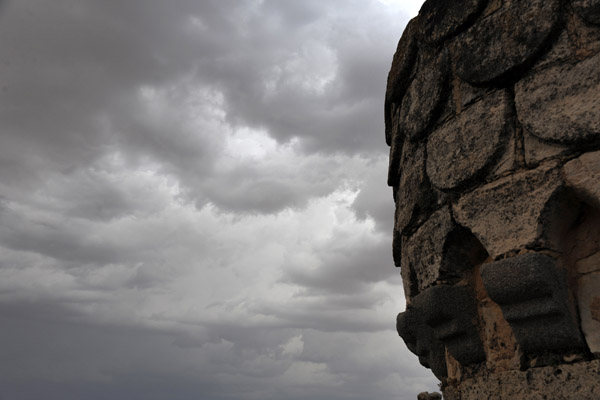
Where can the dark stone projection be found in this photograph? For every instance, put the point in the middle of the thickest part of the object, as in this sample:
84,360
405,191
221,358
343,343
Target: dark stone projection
492,115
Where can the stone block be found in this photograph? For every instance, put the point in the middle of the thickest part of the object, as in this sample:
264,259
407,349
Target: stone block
537,150
580,381
425,96
441,19
429,396
534,300
413,195
562,103
469,144
588,10
588,264
588,296
400,73
503,43
396,147
583,176
583,37
452,314
440,251
526,209
420,340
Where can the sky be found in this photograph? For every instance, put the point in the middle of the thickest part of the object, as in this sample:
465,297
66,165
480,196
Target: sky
193,201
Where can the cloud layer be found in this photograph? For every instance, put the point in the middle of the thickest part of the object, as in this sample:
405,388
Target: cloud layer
193,201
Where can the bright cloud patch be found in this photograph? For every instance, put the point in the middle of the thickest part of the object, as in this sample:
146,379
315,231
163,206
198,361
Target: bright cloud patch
193,202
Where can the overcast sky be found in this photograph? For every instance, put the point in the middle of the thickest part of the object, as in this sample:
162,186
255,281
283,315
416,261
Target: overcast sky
193,201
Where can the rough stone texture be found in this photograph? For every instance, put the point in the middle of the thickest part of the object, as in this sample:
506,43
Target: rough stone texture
413,197
583,37
440,251
429,396
562,103
452,314
589,309
465,146
399,76
515,212
562,382
583,176
492,112
443,18
536,150
501,44
420,340
588,10
534,300
499,343
425,95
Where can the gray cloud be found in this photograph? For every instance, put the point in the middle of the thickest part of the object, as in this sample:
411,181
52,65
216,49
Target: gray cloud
193,201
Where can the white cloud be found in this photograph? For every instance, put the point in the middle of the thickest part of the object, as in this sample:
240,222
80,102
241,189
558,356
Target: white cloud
193,202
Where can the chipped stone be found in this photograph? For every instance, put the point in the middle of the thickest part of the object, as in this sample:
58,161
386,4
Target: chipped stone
414,195
536,150
441,19
429,396
515,212
420,340
468,144
562,103
399,76
503,42
588,264
588,10
588,296
425,95
440,251
564,382
534,300
583,176
452,314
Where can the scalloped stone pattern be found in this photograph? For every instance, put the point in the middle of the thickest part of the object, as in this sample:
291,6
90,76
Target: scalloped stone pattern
492,112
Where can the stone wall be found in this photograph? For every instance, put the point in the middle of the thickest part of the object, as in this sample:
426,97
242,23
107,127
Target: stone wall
492,115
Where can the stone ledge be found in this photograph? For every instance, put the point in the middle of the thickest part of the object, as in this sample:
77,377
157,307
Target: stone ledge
580,381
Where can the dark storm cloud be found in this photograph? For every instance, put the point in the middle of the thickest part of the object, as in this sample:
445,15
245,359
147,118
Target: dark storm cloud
86,78
193,201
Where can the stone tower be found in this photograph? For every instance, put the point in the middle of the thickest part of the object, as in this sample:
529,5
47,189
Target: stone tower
492,115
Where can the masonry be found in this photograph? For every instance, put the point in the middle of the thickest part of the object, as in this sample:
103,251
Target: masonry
492,116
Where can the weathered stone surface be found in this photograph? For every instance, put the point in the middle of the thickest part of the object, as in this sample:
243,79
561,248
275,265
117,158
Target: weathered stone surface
422,252
490,105
562,103
501,44
561,51
443,18
429,396
588,296
537,150
580,381
595,308
395,152
414,195
521,210
588,264
452,314
588,10
534,300
583,176
499,341
399,75
420,340
467,145
425,95
440,251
